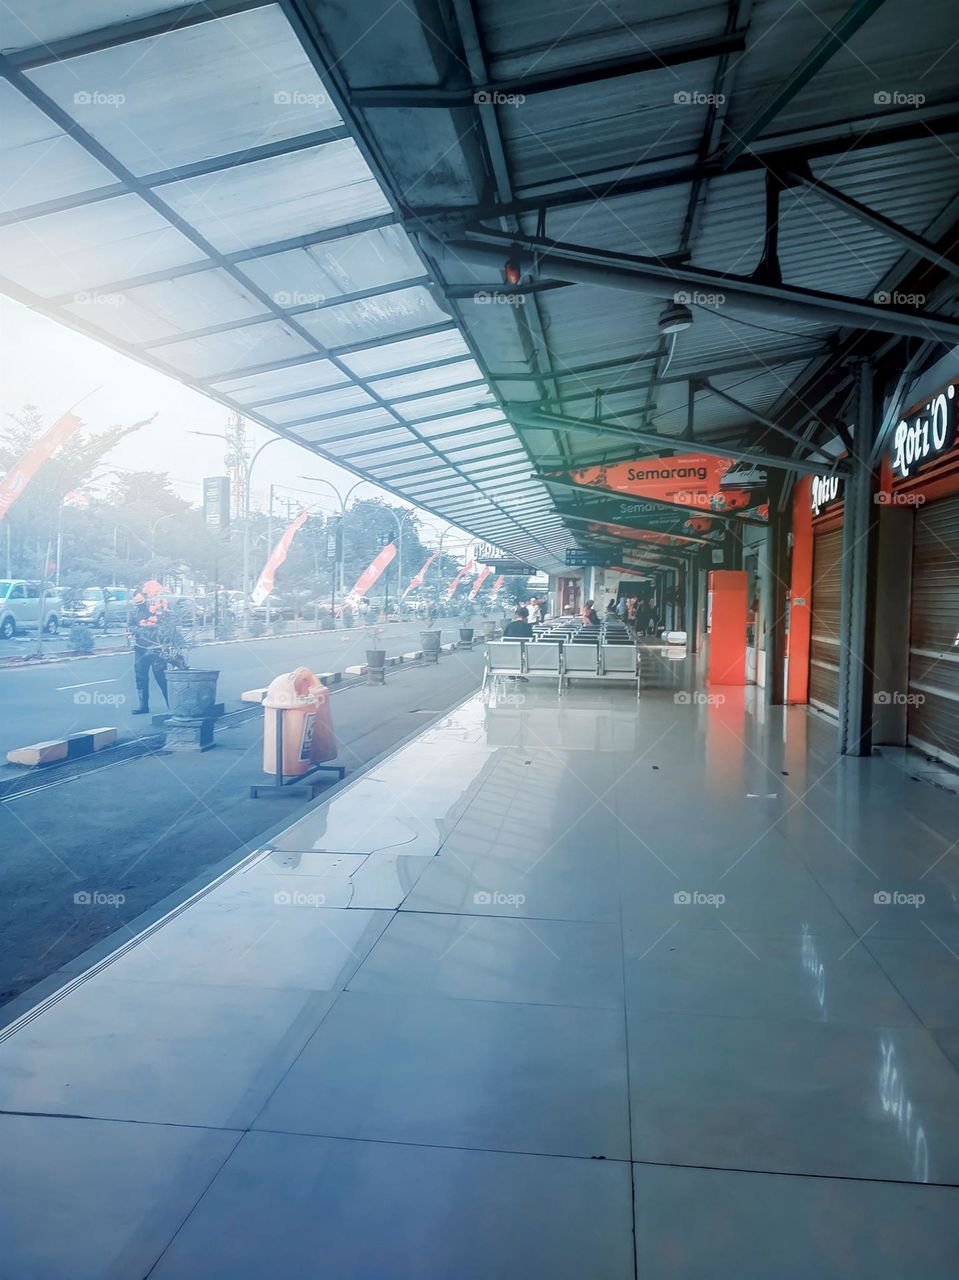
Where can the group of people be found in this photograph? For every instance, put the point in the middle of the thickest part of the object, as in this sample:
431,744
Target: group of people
638,615
524,615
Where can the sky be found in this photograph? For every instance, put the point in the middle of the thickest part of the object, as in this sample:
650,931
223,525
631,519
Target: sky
52,366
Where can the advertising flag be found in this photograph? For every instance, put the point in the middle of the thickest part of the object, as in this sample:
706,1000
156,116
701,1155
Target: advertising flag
373,571
466,570
484,573
419,579
21,473
497,587
266,579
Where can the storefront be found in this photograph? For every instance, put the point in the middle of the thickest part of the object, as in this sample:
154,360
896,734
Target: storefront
920,477
815,593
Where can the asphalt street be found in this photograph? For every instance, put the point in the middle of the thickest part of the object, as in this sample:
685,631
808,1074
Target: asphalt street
51,699
81,859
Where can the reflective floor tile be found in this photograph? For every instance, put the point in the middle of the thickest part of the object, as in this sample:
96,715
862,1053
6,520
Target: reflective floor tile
378,814
555,886
171,1054
492,958
96,1200
280,942
299,1207
926,971
377,881
707,1224
684,969
793,1097
508,1077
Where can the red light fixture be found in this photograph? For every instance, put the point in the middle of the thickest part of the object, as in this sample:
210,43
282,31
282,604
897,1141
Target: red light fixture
512,272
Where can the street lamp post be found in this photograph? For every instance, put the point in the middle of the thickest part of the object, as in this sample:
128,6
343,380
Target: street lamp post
342,501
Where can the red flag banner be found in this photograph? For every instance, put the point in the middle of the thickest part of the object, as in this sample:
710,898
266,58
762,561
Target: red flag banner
481,578
497,587
21,473
266,579
373,571
419,579
464,572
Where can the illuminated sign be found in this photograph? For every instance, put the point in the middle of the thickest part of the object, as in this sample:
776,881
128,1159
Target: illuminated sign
825,490
924,436
702,481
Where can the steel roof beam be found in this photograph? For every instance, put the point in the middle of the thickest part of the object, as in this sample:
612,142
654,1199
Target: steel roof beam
789,434
780,151
551,421
894,230
859,12
437,96
649,276
119,33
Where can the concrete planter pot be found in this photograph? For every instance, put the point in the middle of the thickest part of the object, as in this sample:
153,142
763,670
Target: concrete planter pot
192,693
466,637
376,666
431,645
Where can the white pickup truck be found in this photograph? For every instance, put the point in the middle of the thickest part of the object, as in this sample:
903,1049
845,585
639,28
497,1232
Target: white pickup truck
20,608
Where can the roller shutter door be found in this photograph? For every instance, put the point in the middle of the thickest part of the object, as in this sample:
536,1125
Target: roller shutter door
824,611
933,631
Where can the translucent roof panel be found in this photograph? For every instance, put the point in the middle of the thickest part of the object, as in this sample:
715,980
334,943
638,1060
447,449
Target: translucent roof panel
281,197
446,402
170,307
370,318
38,161
350,264
316,406
235,349
79,249
202,91
253,388
411,384
407,354
352,424
459,422
24,23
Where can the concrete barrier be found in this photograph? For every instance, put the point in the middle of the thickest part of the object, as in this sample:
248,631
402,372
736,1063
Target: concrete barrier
253,695
414,656
71,747
358,670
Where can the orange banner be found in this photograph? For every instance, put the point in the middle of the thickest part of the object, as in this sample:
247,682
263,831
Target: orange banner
696,480
373,572
418,579
497,587
466,569
21,473
481,578
266,579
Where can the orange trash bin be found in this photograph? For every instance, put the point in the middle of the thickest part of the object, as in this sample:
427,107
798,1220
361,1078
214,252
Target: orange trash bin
297,706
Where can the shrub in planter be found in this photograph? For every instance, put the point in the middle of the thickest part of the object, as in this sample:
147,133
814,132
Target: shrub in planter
256,627
326,620
81,639
347,616
279,626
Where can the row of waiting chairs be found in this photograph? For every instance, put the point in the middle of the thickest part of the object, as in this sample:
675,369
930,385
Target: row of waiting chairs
545,658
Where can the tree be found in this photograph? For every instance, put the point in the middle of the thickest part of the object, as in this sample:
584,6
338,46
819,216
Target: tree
31,524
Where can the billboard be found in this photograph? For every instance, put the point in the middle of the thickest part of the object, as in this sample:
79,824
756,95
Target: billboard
696,480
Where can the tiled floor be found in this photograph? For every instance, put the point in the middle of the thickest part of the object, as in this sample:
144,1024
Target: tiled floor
562,989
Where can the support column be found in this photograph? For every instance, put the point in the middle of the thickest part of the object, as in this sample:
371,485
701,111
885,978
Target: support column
692,605
775,587
859,555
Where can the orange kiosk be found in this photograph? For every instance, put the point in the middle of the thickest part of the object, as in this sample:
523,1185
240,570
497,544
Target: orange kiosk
727,606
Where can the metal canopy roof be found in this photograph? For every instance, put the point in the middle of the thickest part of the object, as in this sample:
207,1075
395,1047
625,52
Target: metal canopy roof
304,210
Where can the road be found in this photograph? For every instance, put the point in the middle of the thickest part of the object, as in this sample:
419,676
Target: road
48,700
133,835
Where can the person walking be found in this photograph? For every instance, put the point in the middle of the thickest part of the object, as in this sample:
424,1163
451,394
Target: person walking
621,608
590,616
147,650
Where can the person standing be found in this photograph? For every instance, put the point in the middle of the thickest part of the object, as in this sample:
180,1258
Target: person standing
621,608
519,628
147,650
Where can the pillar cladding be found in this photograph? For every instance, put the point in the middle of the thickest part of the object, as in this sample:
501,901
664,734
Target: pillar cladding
775,589
859,557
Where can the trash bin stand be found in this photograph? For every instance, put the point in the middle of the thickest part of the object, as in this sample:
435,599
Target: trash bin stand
280,787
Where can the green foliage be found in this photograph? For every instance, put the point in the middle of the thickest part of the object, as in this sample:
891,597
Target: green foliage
81,639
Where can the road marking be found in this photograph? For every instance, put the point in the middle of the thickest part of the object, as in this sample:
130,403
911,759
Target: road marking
60,688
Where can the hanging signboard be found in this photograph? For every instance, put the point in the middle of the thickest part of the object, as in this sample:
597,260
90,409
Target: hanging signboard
700,481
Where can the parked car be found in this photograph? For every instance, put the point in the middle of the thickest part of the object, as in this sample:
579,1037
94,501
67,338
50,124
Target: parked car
20,608
97,606
278,609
